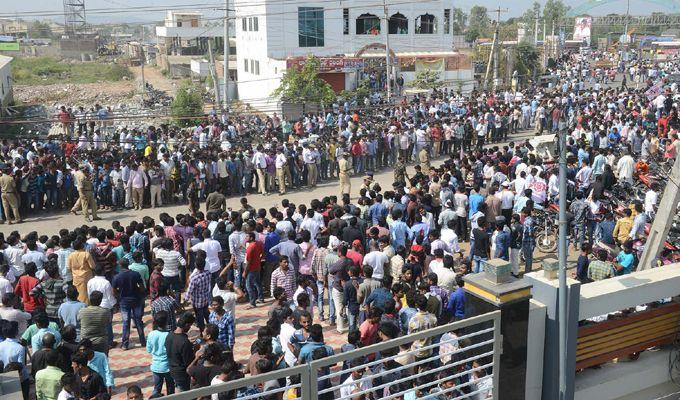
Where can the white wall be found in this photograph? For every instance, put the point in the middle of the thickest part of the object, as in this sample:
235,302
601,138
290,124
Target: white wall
5,80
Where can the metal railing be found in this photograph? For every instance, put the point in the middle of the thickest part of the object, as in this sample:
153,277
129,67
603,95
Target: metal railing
478,339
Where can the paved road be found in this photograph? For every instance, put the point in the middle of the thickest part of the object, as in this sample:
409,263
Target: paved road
51,223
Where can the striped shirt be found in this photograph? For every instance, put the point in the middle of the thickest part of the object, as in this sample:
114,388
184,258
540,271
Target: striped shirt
93,325
172,260
53,292
286,280
169,305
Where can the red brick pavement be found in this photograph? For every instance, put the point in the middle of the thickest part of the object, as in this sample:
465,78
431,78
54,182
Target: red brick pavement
132,366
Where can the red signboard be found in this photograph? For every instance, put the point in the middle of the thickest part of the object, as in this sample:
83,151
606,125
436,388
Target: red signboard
328,64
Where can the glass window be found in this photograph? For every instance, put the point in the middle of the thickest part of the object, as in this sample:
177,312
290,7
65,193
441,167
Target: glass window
398,24
310,27
426,24
245,64
257,68
368,24
244,24
345,21
447,21
255,24
250,24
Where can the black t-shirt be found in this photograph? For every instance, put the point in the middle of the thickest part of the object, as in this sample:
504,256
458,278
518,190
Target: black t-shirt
482,243
127,283
201,375
180,352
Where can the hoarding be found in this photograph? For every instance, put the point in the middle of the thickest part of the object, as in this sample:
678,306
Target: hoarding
582,29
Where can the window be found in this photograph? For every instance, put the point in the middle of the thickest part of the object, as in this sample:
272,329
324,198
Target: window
250,24
256,71
426,24
368,24
244,24
398,24
245,64
179,24
345,21
255,24
310,27
252,66
447,21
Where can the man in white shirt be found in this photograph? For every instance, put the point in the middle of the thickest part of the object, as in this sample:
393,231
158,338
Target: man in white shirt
351,384
310,156
625,168
281,163
212,250
376,259
260,164
450,238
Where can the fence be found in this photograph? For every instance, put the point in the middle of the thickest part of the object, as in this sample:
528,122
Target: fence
477,339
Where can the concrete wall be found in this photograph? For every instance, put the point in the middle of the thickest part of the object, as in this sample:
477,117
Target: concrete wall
6,83
535,343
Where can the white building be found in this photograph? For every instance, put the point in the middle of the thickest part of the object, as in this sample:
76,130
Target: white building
348,36
185,33
5,82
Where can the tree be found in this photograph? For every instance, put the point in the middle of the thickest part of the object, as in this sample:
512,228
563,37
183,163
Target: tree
303,85
529,18
459,18
553,12
478,24
187,105
38,29
526,60
427,79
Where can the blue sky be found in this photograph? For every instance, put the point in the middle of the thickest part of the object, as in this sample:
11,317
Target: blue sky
517,7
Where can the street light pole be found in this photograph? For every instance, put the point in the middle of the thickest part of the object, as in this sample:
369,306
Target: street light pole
387,51
225,65
624,53
562,258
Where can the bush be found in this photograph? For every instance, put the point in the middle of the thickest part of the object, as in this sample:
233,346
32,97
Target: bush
48,70
187,106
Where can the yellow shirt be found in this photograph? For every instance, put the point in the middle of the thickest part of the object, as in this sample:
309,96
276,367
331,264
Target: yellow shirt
147,151
623,228
331,152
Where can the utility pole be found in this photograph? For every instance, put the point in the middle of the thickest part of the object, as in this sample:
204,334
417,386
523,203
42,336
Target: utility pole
142,57
536,29
552,40
494,49
213,73
624,53
562,258
545,48
387,51
225,65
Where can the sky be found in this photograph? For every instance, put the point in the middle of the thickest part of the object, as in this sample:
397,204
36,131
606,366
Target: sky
637,7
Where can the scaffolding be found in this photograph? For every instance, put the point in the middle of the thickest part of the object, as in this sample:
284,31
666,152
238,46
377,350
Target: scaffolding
74,17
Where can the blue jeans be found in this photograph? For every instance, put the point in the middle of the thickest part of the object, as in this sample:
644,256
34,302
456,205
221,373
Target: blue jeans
352,320
478,265
528,252
254,287
129,311
235,275
158,379
331,305
319,298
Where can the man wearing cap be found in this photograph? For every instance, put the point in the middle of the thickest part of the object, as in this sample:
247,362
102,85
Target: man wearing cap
310,156
86,193
344,169
10,198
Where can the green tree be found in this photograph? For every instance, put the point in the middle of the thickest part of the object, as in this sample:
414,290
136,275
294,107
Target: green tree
529,18
526,58
479,24
38,29
427,79
553,12
187,105
304,85
459,19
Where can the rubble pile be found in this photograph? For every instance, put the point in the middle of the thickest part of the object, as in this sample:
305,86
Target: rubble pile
71,94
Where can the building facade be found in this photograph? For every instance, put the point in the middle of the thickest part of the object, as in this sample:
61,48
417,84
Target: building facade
6,83
185,33
348,36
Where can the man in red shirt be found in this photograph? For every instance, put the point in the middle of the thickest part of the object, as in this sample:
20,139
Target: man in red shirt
251,272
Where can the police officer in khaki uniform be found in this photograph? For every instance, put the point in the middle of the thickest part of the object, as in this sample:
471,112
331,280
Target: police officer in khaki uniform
10,196
86,192
344,168
400,171
78,177
424,158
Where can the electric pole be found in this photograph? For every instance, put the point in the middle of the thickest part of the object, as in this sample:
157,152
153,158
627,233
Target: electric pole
562,247
624,53
387,51
536,29
141,57
213,73
225,65
494,50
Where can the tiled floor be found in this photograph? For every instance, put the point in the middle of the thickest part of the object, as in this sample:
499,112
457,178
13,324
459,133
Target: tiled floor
132,366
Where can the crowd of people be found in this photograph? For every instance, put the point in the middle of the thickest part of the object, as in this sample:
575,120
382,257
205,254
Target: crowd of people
376,266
